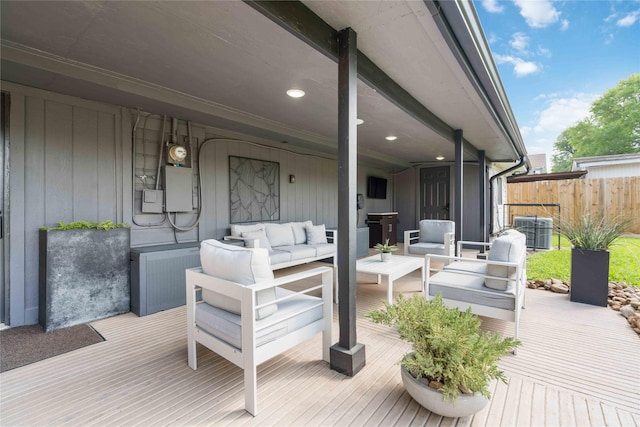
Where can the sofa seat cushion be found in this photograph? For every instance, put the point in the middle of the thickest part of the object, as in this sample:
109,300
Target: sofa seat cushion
245,266
423,248
322,249
298,251
278,257
227,326
280,234
470,289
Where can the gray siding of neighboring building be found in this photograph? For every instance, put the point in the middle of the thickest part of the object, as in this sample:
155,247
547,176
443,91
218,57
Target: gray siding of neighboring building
71,159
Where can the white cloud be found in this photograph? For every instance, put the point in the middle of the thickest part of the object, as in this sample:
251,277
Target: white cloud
542,51
562,113
519,41
525,131
521,67
538,14
492,6
564,24
628,20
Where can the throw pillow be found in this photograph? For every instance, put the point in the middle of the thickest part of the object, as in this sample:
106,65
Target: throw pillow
263,241
280,234
316,234
300,232
238,229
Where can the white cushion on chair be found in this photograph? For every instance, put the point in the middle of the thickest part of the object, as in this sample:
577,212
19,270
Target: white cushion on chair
433,230
263,241
506,248
300,232
245,266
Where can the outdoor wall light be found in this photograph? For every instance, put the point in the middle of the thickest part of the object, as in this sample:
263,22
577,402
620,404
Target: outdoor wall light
292,179
439,157
391,138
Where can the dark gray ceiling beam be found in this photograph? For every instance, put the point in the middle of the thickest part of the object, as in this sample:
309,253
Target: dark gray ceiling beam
300,21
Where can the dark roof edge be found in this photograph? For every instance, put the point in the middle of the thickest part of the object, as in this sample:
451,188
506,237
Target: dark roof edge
546,176
461,28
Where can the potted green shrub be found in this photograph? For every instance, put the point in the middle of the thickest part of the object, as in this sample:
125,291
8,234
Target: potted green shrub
591,236
385,250
84,272
453,362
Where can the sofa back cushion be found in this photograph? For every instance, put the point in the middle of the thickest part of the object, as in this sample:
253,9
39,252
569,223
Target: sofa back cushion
433,230
280,234
245,266
506,248
300,232
263,241
238,229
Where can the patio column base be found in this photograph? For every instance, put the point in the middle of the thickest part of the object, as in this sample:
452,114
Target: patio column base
347,361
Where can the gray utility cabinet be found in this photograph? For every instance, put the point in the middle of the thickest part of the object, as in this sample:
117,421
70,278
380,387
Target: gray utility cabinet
158,276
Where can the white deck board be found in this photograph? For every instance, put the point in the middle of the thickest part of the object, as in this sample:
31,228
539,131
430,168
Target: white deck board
575,367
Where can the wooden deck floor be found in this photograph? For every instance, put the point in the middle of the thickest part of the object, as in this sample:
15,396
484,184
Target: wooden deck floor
578,366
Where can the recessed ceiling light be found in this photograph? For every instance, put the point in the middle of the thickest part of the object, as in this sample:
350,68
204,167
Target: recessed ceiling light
440,158
359,121
295,93
391,138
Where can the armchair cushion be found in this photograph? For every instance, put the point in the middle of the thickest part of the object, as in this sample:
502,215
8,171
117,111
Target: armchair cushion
227,326
245,266
316,234
433,230
280,234
423,248
506,248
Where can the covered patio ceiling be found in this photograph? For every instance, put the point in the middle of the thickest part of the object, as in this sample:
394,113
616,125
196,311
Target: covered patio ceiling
226,64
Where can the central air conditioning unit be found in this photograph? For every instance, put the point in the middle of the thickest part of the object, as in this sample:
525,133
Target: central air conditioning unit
538,230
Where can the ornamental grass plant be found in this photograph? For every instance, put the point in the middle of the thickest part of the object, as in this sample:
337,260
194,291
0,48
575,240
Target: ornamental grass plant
594,232
449,349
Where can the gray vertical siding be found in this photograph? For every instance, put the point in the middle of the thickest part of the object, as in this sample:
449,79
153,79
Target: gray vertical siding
72,159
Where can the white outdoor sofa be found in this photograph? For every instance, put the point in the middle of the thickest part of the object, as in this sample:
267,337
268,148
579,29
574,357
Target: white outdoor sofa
246,316
289,244
492,287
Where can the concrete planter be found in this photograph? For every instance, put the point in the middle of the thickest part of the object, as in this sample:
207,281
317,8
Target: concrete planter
84,276
589,276
431,399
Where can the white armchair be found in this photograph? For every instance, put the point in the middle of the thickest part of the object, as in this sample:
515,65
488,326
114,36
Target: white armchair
245,316
433,236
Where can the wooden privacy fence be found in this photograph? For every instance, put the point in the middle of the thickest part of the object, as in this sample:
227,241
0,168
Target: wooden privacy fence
609,197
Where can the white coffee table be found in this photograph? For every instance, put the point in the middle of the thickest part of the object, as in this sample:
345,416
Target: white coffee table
398,266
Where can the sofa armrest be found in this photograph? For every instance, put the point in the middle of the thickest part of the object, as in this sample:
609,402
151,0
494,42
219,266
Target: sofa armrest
409,236
332,236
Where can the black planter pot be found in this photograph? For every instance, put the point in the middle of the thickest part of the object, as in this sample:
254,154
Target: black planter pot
589,276
84,276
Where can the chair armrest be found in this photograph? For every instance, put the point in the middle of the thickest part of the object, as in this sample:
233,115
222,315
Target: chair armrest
450,244
469,243
410,235
248,243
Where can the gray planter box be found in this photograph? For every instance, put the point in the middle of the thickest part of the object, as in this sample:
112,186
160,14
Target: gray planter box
84,276
589,276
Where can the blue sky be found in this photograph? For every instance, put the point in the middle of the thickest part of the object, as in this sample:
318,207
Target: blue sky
556,57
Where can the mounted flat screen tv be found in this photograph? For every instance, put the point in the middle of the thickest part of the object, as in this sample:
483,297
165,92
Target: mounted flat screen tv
376,188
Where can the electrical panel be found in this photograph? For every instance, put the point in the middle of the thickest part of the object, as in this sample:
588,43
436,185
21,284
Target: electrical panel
152,201
178,187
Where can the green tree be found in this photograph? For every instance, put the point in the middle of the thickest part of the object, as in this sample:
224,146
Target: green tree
612,128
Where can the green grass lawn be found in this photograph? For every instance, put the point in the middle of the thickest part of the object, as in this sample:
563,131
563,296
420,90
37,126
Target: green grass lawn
624,261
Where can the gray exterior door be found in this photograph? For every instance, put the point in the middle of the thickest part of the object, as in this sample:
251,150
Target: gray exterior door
434,197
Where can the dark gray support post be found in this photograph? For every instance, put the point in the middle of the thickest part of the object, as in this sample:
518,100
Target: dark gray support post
347,356
482,180
458,179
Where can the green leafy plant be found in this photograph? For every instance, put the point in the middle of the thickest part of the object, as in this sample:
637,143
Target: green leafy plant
86,225
594,232
448,345
386,247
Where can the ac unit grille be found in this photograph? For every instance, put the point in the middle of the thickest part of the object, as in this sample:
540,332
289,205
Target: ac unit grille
538,231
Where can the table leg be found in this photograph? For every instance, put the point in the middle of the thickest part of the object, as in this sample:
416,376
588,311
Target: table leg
390,289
